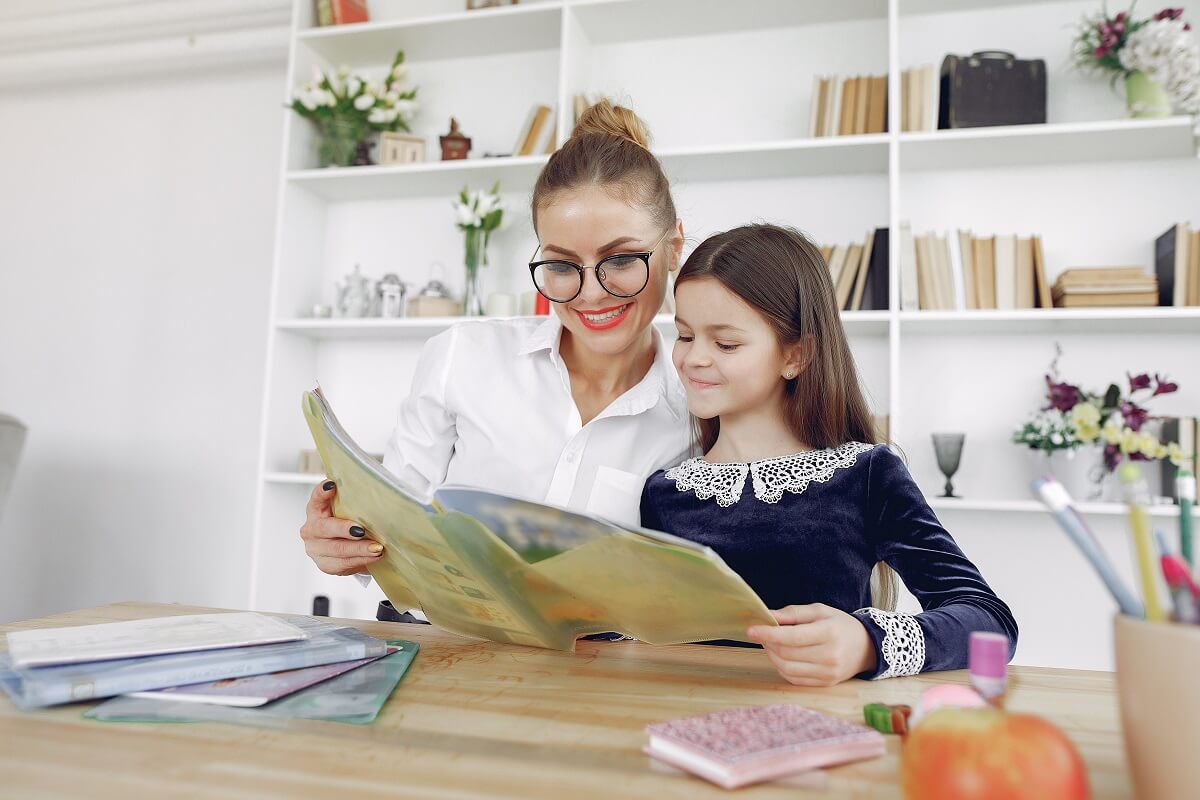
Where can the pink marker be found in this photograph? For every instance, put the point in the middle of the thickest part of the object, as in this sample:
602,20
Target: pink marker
987,662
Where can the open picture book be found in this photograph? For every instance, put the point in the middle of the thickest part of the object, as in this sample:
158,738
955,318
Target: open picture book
510,570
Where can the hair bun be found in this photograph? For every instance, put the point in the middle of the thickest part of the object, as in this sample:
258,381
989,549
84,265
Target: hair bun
605,118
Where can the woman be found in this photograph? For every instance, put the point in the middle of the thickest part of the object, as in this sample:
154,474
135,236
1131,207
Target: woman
575,410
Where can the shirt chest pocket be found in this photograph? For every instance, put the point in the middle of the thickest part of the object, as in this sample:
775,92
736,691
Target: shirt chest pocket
616,495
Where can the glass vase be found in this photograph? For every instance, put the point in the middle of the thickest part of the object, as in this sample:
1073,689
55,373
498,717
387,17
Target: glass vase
474,257
1079,471
338,142
1145,98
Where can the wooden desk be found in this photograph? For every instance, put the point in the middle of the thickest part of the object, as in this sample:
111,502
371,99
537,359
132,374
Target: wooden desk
475,719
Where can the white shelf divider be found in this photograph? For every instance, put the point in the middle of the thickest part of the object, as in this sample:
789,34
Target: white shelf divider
1033,506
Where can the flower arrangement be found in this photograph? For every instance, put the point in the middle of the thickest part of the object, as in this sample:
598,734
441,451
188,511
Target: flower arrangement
478,213
1159,57
347,108
1115,420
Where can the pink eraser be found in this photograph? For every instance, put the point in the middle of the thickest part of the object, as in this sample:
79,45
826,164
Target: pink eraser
987,654
945,695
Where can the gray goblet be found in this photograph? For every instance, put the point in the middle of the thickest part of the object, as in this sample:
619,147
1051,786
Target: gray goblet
948,447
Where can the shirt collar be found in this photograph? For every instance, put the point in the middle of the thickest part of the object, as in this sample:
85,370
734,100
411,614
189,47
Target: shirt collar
660,383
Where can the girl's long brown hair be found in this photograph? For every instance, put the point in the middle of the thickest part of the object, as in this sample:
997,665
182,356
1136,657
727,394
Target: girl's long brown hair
782,275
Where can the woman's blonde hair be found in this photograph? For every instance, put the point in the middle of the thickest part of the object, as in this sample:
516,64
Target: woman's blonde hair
610,148
782,275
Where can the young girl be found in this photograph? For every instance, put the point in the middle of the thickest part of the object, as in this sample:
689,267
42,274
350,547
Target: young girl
791,491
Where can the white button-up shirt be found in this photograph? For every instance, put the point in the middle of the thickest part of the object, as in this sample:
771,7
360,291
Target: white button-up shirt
491,407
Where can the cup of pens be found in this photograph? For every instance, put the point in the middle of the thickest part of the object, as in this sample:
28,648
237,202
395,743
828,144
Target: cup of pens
1156,634
1158,664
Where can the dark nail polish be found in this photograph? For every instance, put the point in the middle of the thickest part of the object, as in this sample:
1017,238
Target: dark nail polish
357,532
328,486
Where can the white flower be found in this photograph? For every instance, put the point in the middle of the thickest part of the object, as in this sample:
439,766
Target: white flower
400,72
353,85
378,116
343,71
391,98
363,102
1169,56
407,109
326,98
466,216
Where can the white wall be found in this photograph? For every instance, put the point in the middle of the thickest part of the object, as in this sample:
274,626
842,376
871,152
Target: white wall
136,228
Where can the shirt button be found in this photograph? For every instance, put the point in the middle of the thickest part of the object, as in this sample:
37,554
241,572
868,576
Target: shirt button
571,456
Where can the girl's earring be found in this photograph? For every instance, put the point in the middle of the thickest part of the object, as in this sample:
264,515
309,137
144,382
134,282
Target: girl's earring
789,375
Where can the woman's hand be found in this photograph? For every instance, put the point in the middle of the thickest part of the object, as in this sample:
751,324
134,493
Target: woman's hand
336,546
816,645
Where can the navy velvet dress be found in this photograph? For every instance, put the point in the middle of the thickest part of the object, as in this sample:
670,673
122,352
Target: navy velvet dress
808,528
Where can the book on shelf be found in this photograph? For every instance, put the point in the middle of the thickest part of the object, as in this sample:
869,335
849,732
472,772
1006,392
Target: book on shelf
919,99
963,271
538,132
909,289
326,643
341,12
1104,287
740,746
146,637
848,106
1177,265
859,272
1184,431
510,570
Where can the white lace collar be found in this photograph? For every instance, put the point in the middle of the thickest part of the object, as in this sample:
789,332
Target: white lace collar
771,476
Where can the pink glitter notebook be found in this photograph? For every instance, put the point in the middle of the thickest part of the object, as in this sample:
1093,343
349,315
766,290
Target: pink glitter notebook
747,745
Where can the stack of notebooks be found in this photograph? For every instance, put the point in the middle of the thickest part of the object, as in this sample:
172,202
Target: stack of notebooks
189,658
1105,287
960,271
860,272
848,106
919,98
1177,265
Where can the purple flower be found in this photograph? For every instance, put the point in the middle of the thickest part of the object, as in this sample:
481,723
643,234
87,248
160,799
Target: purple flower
1099,52
1112,456
1137,382
1062,396
1164,386
1134,415
1120,17
1169,13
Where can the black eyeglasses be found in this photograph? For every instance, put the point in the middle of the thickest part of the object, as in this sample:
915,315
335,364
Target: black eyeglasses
621,275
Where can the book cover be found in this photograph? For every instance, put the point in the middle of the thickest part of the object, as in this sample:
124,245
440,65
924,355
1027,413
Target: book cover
849,273
849,101
496,567
877,105
862,93
909,296
254,690
1006,271
957,270
814,108
146,637
1044,299
355,697
966,253
926,288
834,106
876,297
65,683
906,101
324,11
1170,260
985,271
860,281
1193,278
740,746
346,12
1025,277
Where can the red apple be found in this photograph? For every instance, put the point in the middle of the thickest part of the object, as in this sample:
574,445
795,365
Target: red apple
986,754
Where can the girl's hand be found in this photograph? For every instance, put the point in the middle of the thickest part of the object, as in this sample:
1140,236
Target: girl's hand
816,645
336,546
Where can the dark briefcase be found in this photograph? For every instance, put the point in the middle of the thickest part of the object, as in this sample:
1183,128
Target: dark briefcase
991,87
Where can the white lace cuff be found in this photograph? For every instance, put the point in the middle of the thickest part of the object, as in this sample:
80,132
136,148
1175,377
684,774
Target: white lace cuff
903,642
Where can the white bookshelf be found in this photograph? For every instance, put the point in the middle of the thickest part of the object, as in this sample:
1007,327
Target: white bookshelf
725,89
